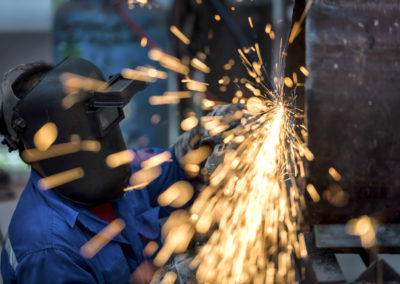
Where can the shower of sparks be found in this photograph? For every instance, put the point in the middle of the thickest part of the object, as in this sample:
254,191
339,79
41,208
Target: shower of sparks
252,206
254,200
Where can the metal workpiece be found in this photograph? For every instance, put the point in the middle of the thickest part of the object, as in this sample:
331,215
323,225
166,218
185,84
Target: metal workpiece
352,96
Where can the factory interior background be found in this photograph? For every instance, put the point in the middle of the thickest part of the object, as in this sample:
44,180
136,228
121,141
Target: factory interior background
115,38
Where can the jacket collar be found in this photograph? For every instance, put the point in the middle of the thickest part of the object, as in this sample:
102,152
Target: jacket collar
69,210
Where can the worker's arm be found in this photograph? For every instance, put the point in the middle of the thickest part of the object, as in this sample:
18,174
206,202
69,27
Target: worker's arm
52,266
171,172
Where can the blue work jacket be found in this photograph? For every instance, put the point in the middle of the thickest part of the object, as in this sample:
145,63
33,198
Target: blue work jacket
47,231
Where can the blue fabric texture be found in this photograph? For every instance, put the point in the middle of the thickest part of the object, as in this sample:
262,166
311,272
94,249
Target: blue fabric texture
47,231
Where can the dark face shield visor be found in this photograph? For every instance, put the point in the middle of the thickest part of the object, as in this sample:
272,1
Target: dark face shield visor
105,106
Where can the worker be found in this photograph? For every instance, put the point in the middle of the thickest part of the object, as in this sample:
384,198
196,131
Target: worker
50,226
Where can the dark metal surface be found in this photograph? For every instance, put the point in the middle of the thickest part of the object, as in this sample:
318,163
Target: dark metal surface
353,55
335,236
321,265
378,272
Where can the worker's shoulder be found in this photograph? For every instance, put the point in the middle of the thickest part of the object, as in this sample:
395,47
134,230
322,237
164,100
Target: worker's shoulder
35,225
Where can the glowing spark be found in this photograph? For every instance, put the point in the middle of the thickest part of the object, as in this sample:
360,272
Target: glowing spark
169,278
254,106
120,158
150,249
194,85
94,245
33,155
297,25
61,178
73,83
336,195
178,231
197,156
146,74
156,160
179,35
177,194
163,100
224,80
313,193
229,64
152,72
268,28
295,80
201,55
90,145
45,136
250,22
363,227
168,61
196,63
257,46
304,71
179,94
143,41
207,104
288,82
138,186
272,35
136,75
144,176
217,18
189,123
334,174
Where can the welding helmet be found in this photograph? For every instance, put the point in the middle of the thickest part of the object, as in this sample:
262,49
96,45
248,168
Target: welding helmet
92,117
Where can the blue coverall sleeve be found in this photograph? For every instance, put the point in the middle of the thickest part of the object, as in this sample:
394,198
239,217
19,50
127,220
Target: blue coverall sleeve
52,266
171,172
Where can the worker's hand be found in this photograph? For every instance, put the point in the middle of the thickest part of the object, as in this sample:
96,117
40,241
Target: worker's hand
225,117
228,116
